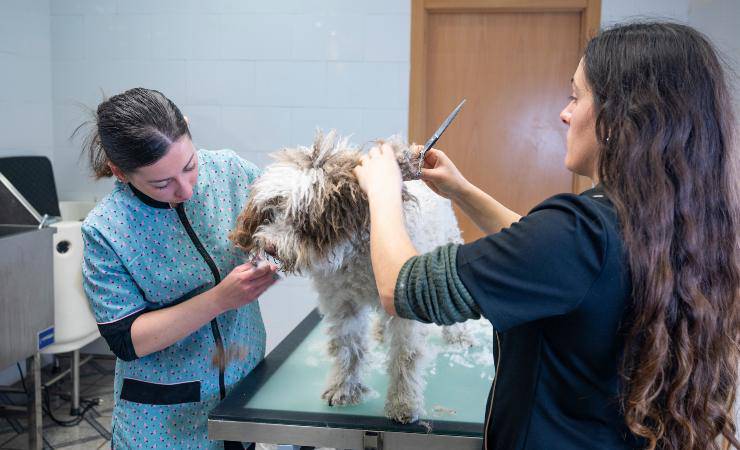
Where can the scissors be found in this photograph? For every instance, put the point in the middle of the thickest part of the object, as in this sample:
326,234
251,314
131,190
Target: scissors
432,140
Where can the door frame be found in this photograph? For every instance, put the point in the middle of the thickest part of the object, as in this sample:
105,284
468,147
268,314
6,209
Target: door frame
590,11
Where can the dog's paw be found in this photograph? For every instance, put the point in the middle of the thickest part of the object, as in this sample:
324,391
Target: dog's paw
345,394
402,411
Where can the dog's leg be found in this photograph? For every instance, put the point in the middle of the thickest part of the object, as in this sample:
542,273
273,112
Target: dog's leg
405,398
347,330
458,334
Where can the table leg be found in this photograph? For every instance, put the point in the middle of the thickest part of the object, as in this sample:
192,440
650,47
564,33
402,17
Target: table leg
35,413
75,408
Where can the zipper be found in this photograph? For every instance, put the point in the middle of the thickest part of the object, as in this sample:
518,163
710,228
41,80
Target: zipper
180,208
496,368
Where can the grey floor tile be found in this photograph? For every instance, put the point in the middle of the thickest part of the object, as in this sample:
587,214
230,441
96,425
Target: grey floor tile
20,442
61,436
5,427
101,389
95,379
104,364
102,425
7,436
84,444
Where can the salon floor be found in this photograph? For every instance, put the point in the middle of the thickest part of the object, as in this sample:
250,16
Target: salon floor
93,431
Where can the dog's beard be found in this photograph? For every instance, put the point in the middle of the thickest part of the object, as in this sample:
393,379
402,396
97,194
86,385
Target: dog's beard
259,254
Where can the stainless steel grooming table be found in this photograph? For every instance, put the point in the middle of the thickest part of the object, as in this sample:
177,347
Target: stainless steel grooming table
279,402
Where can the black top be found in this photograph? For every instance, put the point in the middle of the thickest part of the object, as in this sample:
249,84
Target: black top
555,286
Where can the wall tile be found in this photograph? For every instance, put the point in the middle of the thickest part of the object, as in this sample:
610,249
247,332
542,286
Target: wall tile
69,38
346,41
286,83
253,36
24,80
391,37
205,126
255,129
389,6
373,85
152,7
119,36
36,7
205,36
25,35
67,118
171,36
221,82
383,123
310,37
61,7
305,122
26,126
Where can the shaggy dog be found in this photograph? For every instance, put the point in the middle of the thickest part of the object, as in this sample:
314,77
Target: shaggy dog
307,211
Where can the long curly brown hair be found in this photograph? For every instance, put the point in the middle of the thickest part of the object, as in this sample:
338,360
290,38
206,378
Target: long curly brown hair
667,161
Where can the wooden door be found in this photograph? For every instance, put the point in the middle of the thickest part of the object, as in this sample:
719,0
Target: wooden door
513,62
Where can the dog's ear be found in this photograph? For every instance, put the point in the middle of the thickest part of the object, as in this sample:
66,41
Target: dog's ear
246,225
252,216
348,209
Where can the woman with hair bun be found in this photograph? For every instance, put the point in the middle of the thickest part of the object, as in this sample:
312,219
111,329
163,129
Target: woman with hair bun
172,296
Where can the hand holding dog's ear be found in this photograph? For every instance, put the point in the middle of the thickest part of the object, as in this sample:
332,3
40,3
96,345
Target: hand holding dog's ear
441,174
378,172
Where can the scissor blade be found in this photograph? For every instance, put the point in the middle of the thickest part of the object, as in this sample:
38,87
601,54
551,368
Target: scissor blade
443,127
433,140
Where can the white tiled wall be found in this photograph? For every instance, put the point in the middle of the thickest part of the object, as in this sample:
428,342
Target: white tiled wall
25,78
252,75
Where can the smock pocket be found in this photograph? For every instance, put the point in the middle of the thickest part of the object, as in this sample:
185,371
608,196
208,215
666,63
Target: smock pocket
139,391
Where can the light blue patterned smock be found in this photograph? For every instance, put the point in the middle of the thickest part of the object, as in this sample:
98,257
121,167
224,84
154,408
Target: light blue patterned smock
139,257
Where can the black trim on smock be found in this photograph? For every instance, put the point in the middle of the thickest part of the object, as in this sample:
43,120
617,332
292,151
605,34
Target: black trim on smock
148,200
148,393
118,336
180,208
118,333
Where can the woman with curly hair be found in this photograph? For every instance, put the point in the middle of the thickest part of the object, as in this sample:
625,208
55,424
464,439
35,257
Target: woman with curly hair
616,310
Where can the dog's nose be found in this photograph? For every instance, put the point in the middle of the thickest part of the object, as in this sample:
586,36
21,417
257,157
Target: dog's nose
270,250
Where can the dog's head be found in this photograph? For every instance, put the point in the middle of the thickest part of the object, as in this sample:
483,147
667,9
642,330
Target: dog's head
307,209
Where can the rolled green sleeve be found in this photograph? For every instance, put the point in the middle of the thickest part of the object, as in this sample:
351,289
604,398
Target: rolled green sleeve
429,290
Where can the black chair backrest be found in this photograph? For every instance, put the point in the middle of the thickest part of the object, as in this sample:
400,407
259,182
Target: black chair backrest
33,177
